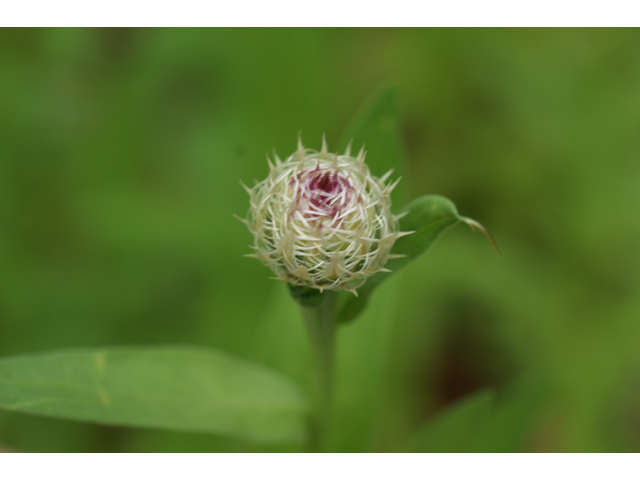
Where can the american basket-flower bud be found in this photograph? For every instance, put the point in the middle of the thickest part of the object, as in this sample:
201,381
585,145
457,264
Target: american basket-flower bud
322,220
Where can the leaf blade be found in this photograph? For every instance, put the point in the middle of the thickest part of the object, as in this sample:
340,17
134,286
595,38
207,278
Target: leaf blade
483,423
454,429
376,126
180,388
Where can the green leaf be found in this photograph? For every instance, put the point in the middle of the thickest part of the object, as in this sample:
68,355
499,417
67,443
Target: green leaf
428,217
512,419
377,126
480,424
454,429
181,388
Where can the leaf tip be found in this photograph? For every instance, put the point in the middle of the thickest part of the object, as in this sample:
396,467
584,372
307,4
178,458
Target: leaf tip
473,225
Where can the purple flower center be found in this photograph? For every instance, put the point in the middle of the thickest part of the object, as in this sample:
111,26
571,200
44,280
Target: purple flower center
325,183
323,193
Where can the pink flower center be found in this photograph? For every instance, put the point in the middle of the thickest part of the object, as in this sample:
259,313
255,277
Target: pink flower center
323,193
325,183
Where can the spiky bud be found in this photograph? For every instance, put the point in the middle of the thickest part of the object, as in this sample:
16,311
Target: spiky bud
322,220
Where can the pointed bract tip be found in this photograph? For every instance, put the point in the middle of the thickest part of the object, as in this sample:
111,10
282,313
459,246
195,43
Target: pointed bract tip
245,187
278,278
386,176
361,155
347,151
271,166
276,157
393,185
243,220
403,214
325,148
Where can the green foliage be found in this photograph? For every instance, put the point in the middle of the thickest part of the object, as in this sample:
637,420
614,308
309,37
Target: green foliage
120,154
180,388
455,430
376,127
194,390
479,423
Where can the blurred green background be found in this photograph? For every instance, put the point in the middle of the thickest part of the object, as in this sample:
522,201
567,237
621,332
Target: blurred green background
121,153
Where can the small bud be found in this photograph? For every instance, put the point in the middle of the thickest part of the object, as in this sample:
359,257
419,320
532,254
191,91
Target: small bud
322,220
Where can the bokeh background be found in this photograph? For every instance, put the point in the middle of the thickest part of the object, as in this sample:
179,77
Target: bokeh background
121,152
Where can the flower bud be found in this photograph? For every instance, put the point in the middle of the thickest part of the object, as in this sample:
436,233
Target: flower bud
322,220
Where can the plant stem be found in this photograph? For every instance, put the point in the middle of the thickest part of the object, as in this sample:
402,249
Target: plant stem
321,326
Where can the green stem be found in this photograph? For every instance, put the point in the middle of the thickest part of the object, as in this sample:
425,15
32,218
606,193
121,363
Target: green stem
321,325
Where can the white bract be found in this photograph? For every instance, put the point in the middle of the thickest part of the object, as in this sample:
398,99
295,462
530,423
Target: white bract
322,220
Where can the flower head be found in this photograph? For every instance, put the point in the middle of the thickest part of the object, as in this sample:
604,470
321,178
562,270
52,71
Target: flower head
322,220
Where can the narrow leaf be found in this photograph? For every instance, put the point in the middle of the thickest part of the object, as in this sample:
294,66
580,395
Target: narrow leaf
181,388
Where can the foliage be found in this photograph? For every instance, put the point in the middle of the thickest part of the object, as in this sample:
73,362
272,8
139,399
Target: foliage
120,152
178,388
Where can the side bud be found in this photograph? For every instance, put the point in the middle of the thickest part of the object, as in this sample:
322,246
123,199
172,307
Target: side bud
322,220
